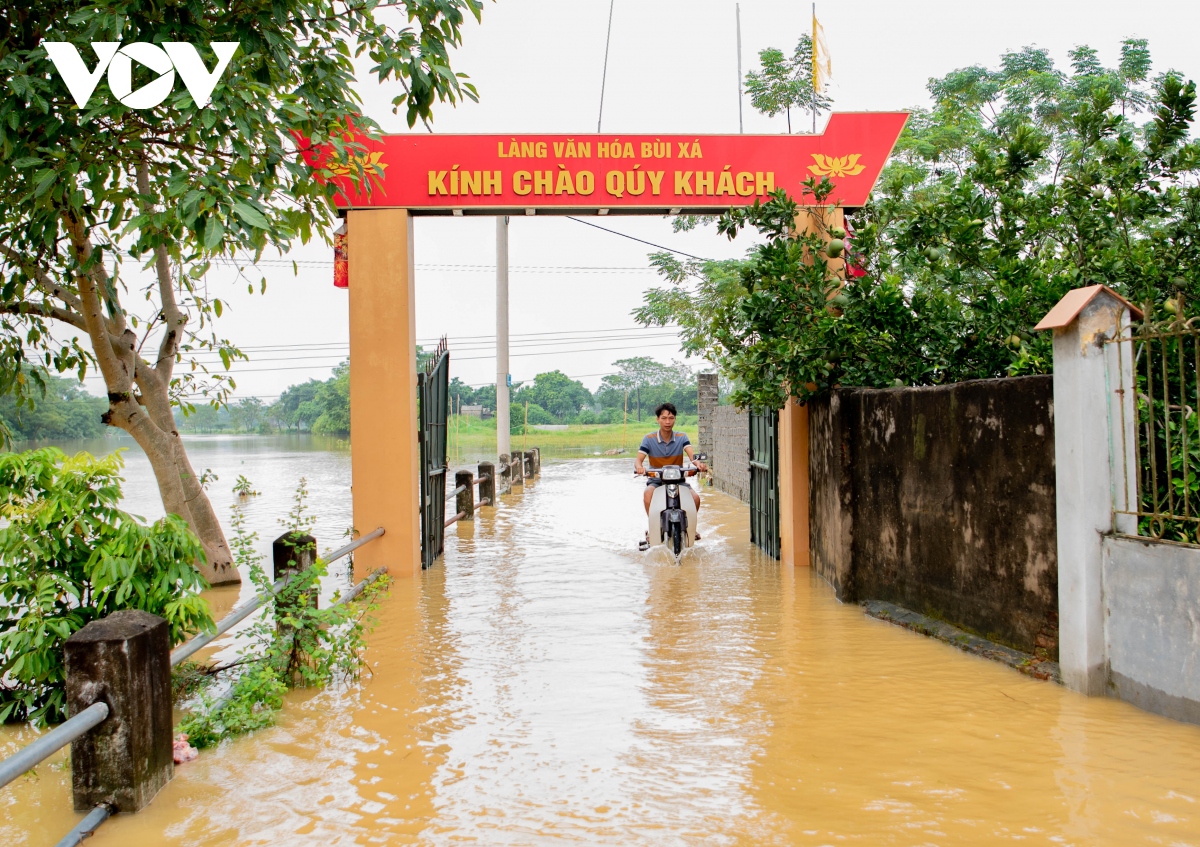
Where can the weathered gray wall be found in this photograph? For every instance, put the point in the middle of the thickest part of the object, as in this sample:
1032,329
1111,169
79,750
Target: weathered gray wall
942,500
1152,625
730,459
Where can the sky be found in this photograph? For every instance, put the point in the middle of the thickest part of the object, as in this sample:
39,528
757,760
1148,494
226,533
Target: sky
672,68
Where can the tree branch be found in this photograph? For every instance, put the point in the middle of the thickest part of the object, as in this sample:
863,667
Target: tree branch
29,307
174,318
115,363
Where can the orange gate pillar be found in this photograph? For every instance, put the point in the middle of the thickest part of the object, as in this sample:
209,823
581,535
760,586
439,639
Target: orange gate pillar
793,426
793,485
383,389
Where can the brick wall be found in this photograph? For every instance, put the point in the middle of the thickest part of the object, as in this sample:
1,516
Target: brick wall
730,460
707,391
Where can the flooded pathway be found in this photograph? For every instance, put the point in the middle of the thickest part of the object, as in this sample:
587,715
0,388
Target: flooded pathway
549,684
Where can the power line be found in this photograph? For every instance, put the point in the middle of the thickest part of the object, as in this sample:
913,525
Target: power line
455,359
328,263
343,350
632,238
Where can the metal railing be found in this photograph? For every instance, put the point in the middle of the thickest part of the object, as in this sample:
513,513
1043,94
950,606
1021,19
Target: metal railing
1154,414
76,727
185,651
34,754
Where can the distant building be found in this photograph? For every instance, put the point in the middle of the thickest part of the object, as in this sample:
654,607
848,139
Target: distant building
475,412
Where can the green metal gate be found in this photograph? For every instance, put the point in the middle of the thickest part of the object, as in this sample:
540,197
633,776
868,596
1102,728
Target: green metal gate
433,407
764,481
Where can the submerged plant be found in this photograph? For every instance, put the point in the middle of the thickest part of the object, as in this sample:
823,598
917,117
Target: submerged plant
293,644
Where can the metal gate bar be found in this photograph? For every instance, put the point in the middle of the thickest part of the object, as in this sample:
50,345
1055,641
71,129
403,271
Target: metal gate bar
433,400
764,481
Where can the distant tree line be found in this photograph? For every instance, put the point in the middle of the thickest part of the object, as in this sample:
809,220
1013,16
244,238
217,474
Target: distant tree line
65,410
555,398
323,407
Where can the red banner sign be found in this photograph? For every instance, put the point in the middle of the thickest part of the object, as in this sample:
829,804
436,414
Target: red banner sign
688,173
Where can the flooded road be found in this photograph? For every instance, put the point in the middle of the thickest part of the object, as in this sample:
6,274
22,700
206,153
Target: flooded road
547,683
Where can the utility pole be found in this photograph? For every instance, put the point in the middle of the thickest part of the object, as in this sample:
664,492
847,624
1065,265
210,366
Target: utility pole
503,445
738,10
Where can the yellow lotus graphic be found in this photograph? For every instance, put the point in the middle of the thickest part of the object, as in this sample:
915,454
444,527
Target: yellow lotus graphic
345,167
838,167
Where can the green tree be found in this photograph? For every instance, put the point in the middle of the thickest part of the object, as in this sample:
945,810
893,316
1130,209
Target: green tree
64,411
559,396
785,82
68,556
249,414
1020,184
295,408
333,401
175,186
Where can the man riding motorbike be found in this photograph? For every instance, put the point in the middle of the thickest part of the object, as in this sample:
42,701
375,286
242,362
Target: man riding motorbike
665,447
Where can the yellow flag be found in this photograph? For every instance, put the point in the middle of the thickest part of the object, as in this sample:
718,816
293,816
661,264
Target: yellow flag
822,67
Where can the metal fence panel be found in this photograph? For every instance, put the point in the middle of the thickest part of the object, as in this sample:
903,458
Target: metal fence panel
433,399
764,481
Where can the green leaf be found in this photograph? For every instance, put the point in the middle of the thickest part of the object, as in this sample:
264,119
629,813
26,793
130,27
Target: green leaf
251,215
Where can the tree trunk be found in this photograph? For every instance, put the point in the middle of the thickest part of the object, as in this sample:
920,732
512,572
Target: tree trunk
146,415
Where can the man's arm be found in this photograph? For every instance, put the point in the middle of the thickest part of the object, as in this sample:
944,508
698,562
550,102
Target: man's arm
637,465
691,454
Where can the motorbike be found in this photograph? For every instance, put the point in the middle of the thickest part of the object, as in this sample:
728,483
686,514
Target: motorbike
672,518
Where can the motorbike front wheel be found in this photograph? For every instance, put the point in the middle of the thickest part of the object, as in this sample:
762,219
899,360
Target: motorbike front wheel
677,539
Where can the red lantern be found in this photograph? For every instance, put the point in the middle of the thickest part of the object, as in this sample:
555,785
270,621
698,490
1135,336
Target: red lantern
341,259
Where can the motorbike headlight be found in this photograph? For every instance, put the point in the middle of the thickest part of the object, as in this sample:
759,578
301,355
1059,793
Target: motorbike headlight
672,474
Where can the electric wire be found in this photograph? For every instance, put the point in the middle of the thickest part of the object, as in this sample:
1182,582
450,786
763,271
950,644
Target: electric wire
640,240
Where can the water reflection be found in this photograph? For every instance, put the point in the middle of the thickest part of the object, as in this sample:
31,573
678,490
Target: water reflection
548,683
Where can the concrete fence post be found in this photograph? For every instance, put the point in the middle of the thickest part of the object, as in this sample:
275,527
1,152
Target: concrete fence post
123,660
464,501
537,461
504,468
530,464
292,553
518,470
1093,411
487,483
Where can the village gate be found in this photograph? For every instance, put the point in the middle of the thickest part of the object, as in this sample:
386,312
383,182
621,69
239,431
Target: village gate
386,181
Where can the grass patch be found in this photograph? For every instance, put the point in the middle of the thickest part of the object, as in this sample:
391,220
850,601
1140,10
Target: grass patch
472,439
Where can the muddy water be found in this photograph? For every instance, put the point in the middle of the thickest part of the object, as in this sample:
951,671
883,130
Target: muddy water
550,684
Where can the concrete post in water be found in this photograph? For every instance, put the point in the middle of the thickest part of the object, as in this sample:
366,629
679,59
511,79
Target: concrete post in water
124,660
537,461
487,483
292,553
530,463
1087,470
518,469
504,469
464,502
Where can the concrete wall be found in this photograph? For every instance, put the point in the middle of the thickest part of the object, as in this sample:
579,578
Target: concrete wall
1152,625
730,459
942,500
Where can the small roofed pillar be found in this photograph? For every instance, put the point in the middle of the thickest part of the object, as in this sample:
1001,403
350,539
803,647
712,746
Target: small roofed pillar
1094,438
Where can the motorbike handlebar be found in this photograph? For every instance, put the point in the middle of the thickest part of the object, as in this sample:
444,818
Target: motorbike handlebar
686,472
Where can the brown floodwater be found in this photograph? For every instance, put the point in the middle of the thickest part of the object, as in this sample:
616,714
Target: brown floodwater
547,683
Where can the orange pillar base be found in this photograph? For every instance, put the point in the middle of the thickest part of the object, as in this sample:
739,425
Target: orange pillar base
793,486
383,390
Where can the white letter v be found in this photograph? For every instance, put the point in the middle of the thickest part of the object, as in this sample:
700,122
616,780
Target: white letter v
80,81
199,82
